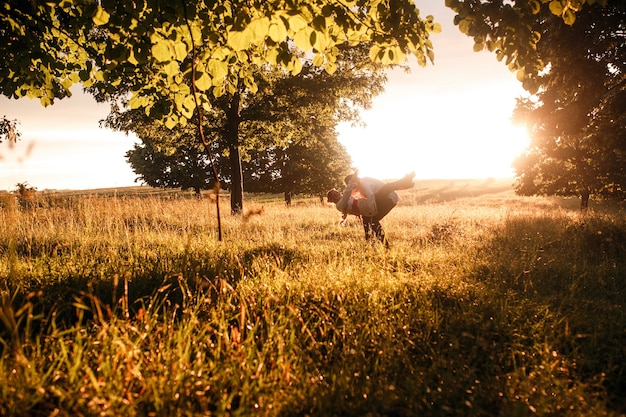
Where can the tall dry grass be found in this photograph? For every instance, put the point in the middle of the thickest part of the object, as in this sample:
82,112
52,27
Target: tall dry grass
486,304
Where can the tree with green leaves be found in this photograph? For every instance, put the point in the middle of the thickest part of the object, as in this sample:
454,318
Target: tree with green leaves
309,167
155,48
509,29
286,113
185,166
577,118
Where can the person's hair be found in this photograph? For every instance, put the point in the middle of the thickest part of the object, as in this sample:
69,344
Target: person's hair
348,178
331,193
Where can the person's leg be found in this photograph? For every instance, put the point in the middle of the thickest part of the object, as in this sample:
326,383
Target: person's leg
368,227
384,204
379,232
401,184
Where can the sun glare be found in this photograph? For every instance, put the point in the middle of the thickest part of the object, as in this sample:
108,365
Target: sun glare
435,143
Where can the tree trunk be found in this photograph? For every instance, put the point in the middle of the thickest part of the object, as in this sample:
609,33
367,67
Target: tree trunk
232,137
236,178
584,201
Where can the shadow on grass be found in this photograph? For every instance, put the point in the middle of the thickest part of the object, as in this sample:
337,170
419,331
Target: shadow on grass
539,328
568,276
70,298
536,326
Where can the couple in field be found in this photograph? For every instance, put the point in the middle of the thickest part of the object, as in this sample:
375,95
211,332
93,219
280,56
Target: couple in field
370,199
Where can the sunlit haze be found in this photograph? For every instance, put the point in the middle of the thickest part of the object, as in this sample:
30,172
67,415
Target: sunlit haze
450,120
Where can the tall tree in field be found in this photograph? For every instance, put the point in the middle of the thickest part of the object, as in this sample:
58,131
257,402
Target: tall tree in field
185,166
577,117
287,111
308,167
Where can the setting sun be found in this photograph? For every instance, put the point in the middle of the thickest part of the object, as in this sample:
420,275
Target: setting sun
465,133
447,120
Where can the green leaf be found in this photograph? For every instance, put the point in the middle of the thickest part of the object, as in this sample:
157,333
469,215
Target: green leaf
556,7
204,82
277,31
297,23
569,17
259,27
464,26
135,102
218,69
330,67
318,60
239,40
131,58
196,33
84,75
188,106
171,121
101,17
303,38
374,52
295,66
180,50
171,68
161,51
218,90
535,6
67,83
388,57
319,40
431,56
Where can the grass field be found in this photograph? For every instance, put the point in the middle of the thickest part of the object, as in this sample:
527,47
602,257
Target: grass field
124,302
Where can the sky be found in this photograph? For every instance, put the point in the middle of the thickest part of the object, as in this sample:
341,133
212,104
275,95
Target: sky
450,120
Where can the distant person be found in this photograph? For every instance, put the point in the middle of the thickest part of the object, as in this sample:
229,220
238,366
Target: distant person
370,199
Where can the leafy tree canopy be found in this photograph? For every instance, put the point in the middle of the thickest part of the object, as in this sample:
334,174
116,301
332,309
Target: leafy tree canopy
154,48
577,119
507,28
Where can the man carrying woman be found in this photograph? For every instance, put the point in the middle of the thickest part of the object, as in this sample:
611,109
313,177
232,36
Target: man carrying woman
370,199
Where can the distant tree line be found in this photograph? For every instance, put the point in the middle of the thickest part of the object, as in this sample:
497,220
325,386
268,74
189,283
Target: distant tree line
285,141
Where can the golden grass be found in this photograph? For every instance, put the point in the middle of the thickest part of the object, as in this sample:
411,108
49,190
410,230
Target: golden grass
487,303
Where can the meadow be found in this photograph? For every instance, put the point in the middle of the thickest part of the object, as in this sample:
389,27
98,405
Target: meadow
486,304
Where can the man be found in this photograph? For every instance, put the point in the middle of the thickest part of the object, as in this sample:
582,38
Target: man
370,199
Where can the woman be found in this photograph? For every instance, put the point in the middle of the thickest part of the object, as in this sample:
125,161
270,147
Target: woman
370,199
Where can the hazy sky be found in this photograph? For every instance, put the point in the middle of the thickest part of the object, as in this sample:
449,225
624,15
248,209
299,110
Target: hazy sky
450,120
